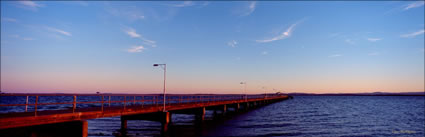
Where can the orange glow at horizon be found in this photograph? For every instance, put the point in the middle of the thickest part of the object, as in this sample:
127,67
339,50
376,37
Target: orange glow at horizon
89,83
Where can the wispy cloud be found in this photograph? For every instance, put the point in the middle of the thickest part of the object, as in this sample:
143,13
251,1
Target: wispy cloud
264,53
335,55
413,34
283,35
149,42
374,39
205,3
9,19
406,7
59,31
14,36
373,54
132,33
82,3
250,9
136,49
349,41
183,4
27,39
31,5
129,13
414,5
333,35
22,38
232,43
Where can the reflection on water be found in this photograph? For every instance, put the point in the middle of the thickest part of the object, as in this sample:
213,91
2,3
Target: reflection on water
301,116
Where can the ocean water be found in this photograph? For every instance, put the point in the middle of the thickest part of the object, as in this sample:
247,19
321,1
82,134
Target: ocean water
332,116
315,116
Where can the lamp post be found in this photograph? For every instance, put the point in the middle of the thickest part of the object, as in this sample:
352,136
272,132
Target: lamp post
164,66
244,83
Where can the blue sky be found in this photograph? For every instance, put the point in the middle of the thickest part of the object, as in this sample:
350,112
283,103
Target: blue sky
210,47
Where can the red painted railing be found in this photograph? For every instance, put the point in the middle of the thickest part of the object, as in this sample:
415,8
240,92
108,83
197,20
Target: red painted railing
104,100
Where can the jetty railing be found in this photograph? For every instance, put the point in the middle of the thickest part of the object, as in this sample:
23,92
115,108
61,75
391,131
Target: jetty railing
75,101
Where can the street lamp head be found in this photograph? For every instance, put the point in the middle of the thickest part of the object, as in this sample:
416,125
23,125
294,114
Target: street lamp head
155,65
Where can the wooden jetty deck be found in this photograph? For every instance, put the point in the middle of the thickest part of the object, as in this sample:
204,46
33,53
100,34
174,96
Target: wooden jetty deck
73,118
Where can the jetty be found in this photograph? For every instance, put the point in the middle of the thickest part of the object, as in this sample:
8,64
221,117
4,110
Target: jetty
69,116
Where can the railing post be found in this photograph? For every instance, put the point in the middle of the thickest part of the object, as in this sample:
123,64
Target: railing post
35,108
102,103
143,100
109,100
74,104
134,100
26,105
125,102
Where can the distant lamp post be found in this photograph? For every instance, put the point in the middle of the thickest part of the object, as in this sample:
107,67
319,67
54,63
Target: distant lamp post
277,91
244,83
163,66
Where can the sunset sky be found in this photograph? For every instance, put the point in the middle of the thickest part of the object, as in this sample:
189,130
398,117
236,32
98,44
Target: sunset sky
210,47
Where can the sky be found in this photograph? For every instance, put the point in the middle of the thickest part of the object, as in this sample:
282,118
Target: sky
211,47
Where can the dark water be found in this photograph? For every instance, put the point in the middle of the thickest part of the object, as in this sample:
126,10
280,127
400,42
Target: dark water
302,116
331,116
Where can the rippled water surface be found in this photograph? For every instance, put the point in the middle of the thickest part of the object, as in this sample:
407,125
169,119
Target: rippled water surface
331,116
302,116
